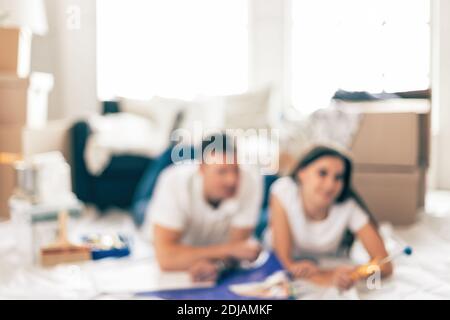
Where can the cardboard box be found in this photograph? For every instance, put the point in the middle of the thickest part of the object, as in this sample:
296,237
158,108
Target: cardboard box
24,101
28,141
13,100
11,139
391,194
7,182
55,136
422,188
392,132
15,55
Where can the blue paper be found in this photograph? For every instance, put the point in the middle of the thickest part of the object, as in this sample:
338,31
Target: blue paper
221,290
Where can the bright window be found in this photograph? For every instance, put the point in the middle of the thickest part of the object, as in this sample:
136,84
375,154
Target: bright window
171,48
357,45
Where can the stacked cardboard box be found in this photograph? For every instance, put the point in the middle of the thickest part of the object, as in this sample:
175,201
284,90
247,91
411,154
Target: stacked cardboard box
391,157
16,51
23,126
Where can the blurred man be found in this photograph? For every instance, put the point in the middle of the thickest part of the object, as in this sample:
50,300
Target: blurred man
203,215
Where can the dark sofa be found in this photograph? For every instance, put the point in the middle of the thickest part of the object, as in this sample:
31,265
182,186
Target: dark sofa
116,186
129,180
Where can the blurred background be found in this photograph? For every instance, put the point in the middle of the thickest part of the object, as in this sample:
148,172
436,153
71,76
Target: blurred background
91,91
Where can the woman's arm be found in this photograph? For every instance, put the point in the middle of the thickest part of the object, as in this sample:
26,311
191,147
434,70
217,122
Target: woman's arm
281,233
282,242
344,276
374,245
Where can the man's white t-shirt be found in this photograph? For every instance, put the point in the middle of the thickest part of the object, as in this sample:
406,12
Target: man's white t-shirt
312,237
178,203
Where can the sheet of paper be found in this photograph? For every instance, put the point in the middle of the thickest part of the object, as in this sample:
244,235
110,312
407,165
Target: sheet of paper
123,277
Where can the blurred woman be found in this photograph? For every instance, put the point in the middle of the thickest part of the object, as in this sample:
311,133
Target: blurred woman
314,212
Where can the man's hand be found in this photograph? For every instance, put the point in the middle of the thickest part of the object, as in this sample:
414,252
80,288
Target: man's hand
303,269
342,277
247,250
204,271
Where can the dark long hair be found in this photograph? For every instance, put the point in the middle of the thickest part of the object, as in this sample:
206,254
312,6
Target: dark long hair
347,192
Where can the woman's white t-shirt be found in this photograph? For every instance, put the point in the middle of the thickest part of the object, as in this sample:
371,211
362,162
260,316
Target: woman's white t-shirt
312,237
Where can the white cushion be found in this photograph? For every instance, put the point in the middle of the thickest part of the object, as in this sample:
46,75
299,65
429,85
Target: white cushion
121,134
205,114
241,111
248,110
162,112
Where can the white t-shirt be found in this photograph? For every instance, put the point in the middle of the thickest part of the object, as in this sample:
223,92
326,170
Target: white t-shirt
178,203
312,237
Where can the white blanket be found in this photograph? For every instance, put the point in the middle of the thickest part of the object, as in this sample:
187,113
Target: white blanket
122,134
424,275
329,126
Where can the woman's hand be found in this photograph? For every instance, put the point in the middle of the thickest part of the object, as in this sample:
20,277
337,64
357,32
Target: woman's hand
303,269
365,270
343,277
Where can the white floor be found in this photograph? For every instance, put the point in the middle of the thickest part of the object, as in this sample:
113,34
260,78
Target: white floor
424,275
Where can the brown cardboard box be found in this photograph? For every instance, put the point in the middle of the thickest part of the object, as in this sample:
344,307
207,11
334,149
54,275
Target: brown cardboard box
13,99
387,139
16,51
392,132
7,182
23,101
391,194
28,141
422,188
11,139
55,136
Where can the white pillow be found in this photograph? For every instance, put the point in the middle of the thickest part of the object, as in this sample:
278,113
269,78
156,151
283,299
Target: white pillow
119,134
248,110
242,111
206,114
204,110
199,117
161,111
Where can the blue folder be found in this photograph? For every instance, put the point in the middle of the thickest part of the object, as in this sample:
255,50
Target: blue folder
221,290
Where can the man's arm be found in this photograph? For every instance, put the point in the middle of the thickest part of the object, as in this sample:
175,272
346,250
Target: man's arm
173,256
240,234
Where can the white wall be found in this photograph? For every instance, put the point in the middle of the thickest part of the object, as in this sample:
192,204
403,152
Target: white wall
70,54
45,57
268,52
68,51
270,60
441,91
